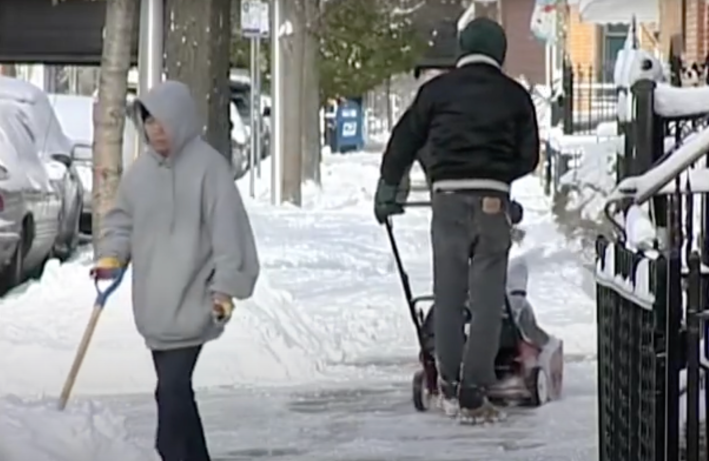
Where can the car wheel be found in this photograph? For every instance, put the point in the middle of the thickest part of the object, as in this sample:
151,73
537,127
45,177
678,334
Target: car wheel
66,248
76,231
14,273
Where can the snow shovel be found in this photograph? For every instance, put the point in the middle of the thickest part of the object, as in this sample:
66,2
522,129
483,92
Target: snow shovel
101,298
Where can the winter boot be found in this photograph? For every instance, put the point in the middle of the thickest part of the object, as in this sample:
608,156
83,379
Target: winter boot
447,397
475,408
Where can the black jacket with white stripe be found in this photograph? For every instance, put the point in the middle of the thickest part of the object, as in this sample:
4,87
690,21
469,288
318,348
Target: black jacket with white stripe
479,127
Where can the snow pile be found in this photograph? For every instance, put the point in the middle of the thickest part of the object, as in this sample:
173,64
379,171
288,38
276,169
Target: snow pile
32,430
348,183
266,342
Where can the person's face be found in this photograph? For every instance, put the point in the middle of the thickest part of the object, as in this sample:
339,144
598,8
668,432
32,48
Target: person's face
157,137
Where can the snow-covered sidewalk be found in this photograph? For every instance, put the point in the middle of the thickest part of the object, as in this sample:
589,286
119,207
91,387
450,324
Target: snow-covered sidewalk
328,310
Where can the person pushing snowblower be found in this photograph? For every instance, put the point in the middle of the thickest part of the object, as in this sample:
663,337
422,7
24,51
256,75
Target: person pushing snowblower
481,128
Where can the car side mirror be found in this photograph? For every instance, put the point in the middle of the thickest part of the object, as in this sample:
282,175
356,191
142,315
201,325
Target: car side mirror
267,111
64,159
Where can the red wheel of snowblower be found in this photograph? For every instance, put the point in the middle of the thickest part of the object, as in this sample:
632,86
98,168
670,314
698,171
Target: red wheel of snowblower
421,395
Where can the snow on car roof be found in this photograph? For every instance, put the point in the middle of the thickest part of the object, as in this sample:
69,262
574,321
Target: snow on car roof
35,104
75,116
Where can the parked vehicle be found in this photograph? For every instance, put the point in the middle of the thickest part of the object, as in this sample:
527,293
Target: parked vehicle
75,114
54,149
29,204
241,99
240,149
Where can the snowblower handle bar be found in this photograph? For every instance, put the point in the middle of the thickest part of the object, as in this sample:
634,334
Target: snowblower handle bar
103,295
419,204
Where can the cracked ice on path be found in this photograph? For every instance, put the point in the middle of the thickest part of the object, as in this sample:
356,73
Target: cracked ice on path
328,317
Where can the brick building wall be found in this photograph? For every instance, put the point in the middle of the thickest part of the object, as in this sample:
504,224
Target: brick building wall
695,31
582,40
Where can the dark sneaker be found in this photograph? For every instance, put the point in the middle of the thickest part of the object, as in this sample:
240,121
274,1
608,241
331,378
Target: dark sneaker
475,408
448,398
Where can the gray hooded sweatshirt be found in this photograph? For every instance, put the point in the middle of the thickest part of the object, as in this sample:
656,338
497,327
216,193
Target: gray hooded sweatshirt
181,222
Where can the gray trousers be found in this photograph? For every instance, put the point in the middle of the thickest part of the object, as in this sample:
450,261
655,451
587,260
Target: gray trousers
470,234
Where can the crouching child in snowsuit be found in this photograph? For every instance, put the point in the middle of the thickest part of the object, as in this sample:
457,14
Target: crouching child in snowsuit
179,219
481,128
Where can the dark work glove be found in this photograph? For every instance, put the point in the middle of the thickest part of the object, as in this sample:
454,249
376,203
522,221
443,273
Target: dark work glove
516,212
385,203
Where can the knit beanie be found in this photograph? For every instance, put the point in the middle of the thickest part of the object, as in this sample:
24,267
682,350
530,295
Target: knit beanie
483,36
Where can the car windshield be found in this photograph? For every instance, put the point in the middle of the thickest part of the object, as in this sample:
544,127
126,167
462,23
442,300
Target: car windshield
83,153
241,101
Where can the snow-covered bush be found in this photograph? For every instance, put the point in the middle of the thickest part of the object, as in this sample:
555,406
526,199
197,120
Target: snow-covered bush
589,184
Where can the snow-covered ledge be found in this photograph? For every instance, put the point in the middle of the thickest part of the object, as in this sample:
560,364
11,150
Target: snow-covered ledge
672,101
613,11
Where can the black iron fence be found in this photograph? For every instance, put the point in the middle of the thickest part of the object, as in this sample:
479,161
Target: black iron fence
589,97
632,352
652,306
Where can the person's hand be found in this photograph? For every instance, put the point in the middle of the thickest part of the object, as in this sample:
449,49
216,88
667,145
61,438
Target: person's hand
222,307
385,203
107,268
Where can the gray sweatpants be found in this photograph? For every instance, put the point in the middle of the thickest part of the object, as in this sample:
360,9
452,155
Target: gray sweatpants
470,234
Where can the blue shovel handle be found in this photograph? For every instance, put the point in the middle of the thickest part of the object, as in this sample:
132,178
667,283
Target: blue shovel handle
103,295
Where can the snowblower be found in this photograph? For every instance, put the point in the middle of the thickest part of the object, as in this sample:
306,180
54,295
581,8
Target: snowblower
529,363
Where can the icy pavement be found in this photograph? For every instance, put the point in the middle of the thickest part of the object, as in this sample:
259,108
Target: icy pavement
365,422
317,365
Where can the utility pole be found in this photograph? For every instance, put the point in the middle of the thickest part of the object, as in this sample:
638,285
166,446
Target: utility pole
310,92
278,28
197,49
109,115
292,59
151,51
254,26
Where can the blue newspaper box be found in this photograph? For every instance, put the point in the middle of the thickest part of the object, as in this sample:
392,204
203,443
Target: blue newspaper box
348,123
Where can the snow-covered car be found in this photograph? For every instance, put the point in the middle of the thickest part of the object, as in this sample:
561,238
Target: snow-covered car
29,204
75,114
54,149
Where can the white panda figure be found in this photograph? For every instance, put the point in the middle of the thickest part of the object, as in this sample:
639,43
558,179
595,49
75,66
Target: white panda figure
644,66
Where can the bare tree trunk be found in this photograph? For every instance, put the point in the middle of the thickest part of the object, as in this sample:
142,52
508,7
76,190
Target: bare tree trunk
310,107
293,133
110,113
197,49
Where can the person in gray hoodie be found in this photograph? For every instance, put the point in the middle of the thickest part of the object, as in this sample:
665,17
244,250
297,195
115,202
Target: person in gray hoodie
179,219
